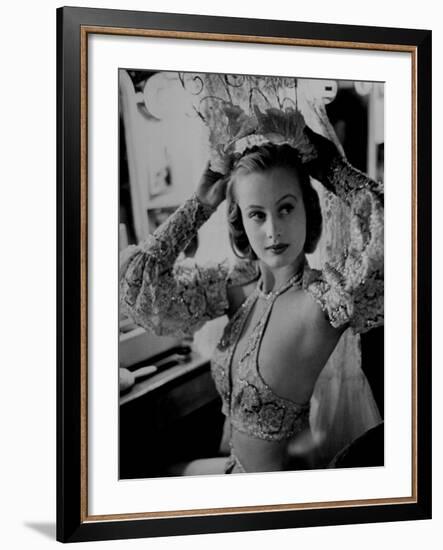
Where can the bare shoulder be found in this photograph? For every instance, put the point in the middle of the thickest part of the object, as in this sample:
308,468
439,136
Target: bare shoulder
296,345
304,312
302,330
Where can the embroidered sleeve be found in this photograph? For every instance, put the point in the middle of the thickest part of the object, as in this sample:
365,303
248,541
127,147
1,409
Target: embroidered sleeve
170,297
350,288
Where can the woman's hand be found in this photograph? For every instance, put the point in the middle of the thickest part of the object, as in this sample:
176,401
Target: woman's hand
211,189
327,152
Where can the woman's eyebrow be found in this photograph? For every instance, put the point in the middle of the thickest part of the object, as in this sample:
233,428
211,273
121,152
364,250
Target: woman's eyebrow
286,196
277,202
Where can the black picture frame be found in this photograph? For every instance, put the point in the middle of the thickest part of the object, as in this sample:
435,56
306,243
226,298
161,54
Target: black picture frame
73,24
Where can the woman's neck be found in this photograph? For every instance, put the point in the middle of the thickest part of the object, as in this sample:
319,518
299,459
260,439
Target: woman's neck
272,279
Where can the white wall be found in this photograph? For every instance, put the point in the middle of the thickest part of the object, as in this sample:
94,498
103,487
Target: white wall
28,275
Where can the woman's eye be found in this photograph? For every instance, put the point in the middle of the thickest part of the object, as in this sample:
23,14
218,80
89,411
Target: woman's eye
256,215
286,209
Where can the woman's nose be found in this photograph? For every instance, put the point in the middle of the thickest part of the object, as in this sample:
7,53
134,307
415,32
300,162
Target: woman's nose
273,230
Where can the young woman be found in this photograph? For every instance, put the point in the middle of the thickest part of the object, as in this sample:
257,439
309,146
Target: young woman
285,319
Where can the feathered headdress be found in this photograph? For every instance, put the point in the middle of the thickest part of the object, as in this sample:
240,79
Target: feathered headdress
242,111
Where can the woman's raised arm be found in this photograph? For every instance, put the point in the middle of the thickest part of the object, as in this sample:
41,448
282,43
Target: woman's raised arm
350,288
169,297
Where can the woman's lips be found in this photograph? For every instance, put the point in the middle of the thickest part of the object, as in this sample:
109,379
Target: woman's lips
277,248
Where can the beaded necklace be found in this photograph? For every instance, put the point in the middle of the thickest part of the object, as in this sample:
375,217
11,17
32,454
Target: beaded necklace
273,294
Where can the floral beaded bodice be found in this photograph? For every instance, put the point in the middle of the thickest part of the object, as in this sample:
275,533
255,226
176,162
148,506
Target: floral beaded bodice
251,405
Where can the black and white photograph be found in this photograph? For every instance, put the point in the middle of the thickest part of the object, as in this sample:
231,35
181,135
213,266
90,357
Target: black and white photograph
251,274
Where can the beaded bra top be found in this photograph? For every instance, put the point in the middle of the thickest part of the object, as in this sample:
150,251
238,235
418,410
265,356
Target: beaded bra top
249,402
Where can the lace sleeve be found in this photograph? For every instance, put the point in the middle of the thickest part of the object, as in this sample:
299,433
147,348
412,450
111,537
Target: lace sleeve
170,297
350,288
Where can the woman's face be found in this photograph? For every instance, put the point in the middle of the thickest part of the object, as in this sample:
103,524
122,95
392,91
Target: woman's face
273,215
